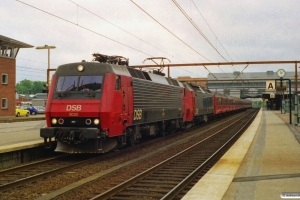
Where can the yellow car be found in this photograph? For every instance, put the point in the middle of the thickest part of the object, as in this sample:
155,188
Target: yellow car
21,112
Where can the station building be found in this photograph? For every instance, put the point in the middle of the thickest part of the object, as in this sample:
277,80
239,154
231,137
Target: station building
9,49
260,85
265,85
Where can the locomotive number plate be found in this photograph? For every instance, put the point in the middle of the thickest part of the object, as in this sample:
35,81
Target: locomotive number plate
138,114
73,114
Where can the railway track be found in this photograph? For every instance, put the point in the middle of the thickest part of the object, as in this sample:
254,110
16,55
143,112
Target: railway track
168,179
37,178
20,175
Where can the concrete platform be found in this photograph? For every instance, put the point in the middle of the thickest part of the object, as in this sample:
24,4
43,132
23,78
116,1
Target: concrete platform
21,142
262,164
20,132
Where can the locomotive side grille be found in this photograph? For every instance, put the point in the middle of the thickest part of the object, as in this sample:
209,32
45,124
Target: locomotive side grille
76,122
153,95
155,102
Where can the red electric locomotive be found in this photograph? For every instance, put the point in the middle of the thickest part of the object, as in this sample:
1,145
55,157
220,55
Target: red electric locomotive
94,107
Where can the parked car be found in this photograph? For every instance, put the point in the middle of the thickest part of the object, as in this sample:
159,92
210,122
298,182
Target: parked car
21,112
33,110
32,96
41,109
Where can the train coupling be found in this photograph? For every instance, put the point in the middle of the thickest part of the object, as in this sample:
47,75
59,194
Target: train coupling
103,134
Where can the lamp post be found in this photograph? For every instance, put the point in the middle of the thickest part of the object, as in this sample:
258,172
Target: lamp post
47,47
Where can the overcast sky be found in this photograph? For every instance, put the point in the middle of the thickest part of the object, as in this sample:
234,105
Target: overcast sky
235,30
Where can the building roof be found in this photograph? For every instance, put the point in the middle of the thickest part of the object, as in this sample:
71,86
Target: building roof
248,75
9,41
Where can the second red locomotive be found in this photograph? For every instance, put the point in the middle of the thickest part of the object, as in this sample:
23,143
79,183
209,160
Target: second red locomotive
94,107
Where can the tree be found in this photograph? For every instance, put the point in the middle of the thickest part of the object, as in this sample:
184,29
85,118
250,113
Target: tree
30,87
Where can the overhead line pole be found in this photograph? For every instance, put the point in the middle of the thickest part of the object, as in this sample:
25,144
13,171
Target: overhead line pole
296,78
47,47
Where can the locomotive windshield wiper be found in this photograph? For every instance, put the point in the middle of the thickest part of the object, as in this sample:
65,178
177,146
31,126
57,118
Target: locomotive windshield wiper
87,90
66,91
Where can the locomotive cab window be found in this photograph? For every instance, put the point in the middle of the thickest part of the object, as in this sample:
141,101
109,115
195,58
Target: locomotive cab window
90,83
67,83
82,83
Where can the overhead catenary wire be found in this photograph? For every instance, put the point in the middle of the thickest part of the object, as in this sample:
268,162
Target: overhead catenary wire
121,28
30,68
213,32
84,28
240,74
172,33
30,75
31,72
127,33
169,31
90,30
199,31
197,28
18,58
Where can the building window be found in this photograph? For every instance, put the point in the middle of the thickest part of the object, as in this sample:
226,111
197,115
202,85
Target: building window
8,51
4,78
4,103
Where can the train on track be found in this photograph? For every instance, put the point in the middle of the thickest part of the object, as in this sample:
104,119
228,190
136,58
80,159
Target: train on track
94,107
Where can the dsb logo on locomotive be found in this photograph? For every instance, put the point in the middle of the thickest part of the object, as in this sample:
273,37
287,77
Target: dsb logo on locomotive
73,108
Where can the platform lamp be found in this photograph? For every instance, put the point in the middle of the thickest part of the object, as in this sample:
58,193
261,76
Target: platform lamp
47,47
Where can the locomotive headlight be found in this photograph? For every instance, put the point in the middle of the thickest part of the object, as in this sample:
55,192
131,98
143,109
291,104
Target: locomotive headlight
96,121
80,68
54,121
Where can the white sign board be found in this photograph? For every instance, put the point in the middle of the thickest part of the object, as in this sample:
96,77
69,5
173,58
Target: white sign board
270,85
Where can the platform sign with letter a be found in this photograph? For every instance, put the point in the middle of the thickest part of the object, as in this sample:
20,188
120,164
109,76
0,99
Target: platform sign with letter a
270,85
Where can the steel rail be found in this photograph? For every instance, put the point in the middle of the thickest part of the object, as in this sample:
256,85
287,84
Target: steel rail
170,195
109,193
38,176
27,166
44,174
105,173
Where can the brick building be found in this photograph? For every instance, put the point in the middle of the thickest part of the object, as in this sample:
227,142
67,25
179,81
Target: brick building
9,49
